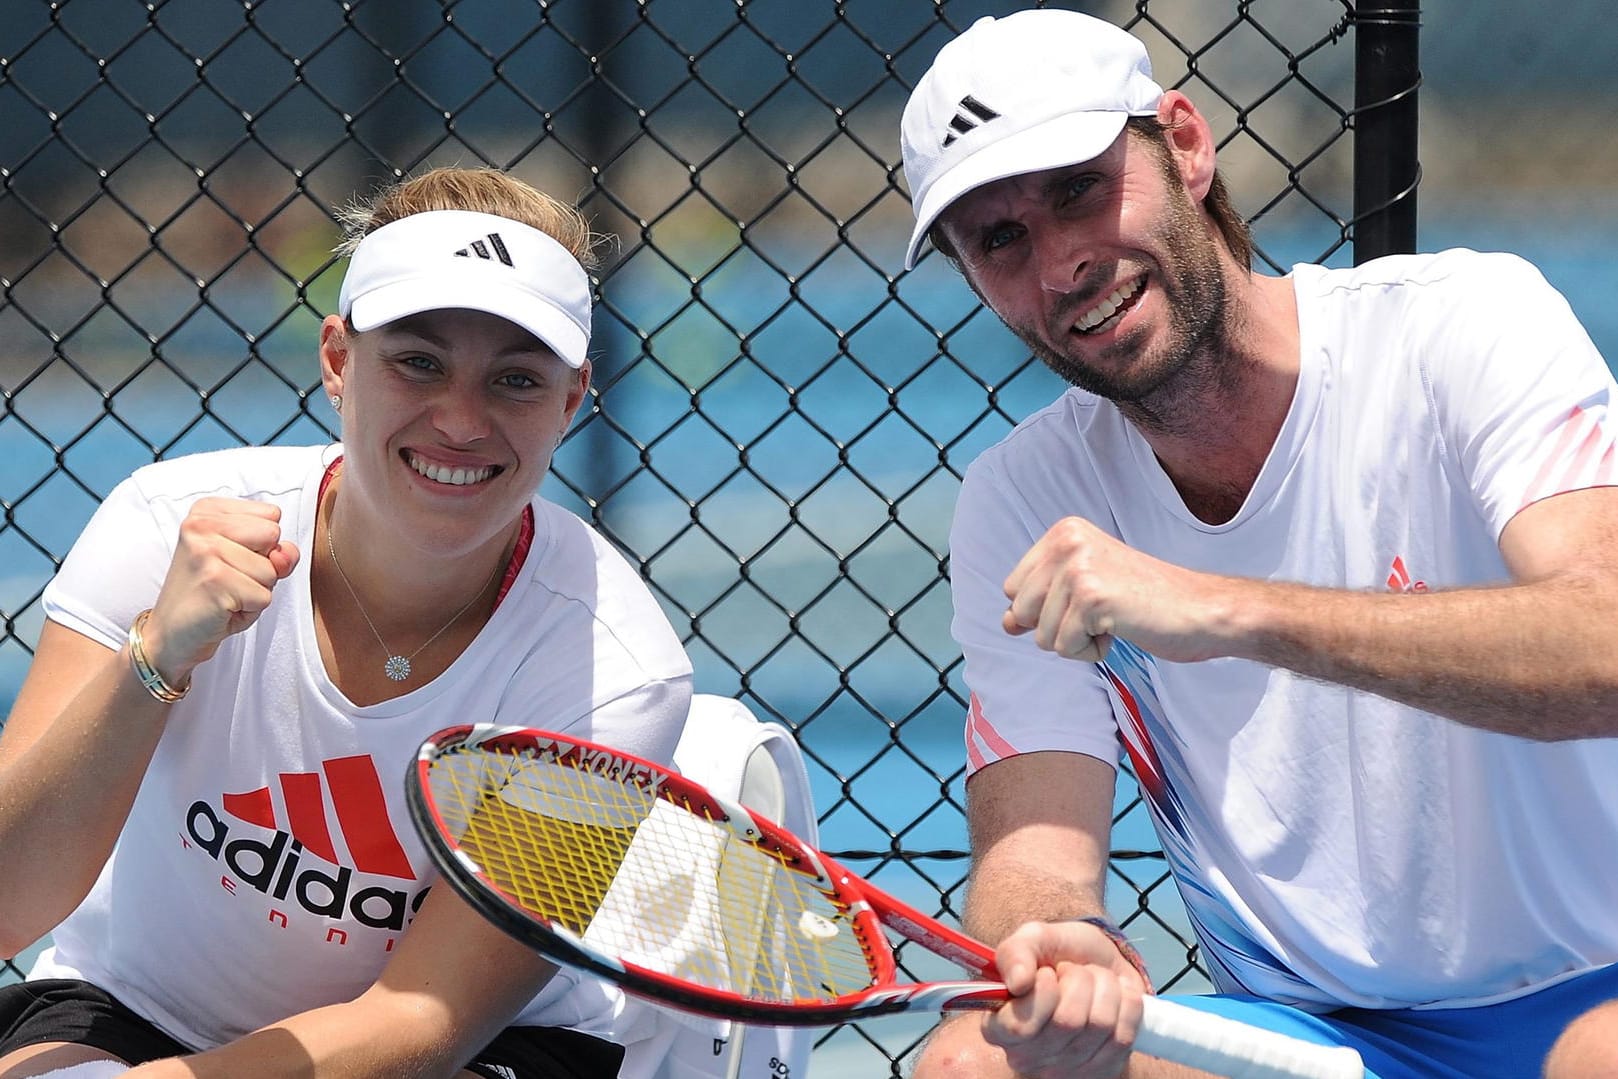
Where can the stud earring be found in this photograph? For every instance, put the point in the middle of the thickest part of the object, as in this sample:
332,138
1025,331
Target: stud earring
337,402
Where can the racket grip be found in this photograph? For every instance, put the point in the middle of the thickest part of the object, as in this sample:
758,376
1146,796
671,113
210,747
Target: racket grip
1230,1048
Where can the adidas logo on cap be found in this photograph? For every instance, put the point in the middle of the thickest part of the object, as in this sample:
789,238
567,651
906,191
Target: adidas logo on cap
482,250
1062,85
968,116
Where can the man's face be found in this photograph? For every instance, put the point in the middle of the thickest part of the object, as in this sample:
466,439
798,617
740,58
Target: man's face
1106,270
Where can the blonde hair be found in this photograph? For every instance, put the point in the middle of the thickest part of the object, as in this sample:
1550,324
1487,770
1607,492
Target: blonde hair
483,190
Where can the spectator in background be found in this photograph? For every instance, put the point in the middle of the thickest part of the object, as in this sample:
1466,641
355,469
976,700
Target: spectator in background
1331,557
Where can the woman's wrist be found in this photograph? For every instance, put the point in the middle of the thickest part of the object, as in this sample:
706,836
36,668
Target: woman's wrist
148,675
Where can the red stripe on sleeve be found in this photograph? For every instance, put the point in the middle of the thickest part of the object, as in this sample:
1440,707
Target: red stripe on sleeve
983,729
1565,436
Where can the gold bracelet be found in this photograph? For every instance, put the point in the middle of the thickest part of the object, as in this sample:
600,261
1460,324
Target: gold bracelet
150,676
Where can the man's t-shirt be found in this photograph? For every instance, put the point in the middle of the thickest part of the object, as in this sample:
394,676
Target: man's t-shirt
1333,847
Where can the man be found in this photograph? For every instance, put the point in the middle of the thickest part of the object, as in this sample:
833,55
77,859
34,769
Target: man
1333,556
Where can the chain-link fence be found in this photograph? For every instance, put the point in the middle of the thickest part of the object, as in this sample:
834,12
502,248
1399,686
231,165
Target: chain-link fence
780,416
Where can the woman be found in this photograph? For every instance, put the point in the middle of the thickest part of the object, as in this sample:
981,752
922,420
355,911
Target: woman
244,649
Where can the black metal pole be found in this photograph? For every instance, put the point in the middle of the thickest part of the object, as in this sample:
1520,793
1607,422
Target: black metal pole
1387,75
600,137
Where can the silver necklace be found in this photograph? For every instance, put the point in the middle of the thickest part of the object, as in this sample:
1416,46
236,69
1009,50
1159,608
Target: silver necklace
397,667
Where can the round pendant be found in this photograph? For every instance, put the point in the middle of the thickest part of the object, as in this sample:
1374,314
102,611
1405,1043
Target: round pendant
397,668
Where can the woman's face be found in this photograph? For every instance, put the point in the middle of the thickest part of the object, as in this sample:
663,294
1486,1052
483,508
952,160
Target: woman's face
449,420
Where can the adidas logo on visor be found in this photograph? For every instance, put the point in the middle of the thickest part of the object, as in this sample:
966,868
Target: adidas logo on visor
479,249
968,115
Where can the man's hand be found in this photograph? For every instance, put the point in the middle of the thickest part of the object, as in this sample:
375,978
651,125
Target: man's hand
1077,588
1075,1007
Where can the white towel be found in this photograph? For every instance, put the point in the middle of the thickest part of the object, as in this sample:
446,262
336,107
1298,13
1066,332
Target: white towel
721,737
90,1069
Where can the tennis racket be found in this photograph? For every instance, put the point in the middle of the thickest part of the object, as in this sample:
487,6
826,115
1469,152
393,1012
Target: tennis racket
601,860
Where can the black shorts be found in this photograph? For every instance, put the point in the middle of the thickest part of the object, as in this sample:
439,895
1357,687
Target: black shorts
67,1010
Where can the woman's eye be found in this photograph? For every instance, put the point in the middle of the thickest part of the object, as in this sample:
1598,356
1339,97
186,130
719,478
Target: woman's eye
519,380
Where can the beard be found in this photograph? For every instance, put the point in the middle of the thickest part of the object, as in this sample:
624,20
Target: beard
1193,283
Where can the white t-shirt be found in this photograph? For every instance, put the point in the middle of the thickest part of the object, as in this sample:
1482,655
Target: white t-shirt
268,864
1333,847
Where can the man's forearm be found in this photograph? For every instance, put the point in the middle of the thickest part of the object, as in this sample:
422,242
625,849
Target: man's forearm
1535,660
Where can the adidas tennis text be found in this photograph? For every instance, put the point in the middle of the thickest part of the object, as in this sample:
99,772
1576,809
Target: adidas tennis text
275,868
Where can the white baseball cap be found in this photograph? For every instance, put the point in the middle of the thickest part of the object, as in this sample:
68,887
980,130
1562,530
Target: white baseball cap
1030,91
460,258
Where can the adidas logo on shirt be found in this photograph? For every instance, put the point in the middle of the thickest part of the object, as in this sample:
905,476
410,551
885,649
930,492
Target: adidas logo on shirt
1400,580
280,867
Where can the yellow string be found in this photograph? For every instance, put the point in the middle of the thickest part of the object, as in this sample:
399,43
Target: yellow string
647,881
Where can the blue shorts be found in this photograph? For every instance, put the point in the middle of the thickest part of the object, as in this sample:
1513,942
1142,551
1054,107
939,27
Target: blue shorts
1509,1040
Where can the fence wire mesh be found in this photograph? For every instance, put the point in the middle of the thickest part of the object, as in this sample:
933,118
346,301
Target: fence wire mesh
780,415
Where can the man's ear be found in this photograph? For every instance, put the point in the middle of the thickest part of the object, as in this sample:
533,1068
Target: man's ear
335,346
1190,141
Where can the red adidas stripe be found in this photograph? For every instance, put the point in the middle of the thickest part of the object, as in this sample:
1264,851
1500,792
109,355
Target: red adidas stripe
362,814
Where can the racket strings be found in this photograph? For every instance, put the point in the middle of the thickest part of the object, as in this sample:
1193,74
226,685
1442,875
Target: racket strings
550,839
648,880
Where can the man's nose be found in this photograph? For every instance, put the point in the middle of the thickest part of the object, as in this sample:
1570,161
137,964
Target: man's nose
1060,260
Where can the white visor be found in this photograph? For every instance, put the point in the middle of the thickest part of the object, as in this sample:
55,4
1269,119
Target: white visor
462,259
